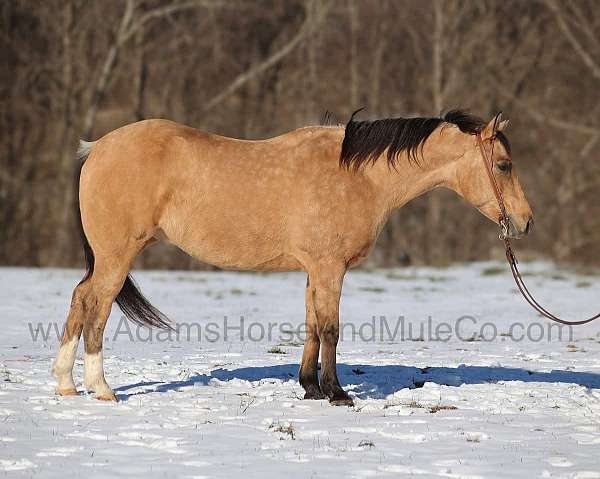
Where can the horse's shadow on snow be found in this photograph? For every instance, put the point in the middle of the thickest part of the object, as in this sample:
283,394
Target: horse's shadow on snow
373,381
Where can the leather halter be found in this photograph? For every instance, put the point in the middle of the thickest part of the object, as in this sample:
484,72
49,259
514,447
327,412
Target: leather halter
504,222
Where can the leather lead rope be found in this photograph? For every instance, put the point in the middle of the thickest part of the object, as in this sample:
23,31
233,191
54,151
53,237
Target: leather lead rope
504,222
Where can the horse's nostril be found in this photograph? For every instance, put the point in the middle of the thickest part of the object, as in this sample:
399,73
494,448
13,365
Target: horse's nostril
529,225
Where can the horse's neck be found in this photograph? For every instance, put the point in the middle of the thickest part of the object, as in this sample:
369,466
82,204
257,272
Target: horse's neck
409,180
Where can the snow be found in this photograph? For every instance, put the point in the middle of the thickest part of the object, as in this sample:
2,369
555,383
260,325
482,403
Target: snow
427,406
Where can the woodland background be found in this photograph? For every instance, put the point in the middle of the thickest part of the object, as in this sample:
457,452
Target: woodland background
252,69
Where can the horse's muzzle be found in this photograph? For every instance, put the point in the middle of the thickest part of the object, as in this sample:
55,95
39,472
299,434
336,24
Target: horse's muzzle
518,230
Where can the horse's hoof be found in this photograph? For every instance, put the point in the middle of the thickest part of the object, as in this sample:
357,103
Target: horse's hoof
341,401
107,397
67,392
314,395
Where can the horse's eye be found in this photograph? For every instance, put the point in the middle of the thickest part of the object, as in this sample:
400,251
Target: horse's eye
504,166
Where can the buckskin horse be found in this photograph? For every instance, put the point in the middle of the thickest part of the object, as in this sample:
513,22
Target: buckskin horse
314,199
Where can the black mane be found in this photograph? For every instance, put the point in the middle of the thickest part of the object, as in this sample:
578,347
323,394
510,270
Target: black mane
365,141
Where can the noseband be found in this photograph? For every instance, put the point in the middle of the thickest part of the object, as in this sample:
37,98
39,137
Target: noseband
504,223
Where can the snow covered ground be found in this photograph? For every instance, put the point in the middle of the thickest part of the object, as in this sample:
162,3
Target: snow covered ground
213,405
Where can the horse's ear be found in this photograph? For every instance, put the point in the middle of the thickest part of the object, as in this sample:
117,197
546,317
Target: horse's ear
494,125
503,125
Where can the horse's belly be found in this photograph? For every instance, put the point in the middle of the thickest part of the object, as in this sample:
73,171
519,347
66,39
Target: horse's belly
232,249
281,262
231,259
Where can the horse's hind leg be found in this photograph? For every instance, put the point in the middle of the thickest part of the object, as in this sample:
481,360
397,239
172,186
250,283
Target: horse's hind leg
63,365
106,282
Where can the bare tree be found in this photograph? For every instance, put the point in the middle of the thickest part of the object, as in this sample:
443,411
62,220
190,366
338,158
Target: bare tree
256,69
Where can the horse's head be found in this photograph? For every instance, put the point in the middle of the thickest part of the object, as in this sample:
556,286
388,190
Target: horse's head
475,185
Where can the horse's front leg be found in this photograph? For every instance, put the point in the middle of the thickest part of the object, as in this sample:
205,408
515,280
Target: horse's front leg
326,290
309,378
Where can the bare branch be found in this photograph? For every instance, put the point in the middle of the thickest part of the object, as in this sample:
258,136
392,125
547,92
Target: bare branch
587,59
163,12
107,69
127,29
242,78
545,118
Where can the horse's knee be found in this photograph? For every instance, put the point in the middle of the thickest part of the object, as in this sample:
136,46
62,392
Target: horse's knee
329,333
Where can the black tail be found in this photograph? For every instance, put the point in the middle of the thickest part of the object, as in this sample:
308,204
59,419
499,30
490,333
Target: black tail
138,309
131,301
82,154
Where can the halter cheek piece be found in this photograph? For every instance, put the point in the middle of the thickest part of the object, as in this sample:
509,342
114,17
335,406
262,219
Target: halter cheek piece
504,222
